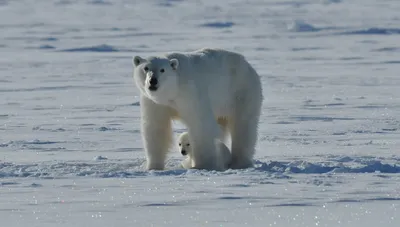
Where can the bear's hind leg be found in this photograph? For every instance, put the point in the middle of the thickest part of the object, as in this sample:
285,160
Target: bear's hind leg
244,133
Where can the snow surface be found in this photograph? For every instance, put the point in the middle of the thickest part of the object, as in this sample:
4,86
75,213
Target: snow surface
328,151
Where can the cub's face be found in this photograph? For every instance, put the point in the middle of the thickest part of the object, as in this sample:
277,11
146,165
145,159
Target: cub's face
156,78
184,144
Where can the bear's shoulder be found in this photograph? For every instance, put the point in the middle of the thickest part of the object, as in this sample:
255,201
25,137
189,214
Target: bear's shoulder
206,51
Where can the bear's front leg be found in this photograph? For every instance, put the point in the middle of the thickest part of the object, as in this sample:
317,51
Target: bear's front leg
156,132
203,129
187,163
203,148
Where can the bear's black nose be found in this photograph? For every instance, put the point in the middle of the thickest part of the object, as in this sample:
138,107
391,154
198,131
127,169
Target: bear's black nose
153,81
183,152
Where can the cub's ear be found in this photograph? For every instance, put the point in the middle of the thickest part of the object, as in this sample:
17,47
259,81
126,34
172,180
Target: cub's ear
174,63
137,61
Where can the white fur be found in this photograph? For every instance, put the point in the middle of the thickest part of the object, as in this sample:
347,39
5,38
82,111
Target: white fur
203,88
223,155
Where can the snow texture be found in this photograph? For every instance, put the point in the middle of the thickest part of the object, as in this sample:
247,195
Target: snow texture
328,149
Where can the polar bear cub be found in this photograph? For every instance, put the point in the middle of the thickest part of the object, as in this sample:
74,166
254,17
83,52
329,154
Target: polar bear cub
223,156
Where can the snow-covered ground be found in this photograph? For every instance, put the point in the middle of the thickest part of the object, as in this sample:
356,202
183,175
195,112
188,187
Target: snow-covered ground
328,152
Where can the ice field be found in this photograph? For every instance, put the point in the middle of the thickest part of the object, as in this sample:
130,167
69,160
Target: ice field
328,150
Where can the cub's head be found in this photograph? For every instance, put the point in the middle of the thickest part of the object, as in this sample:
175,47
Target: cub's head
157,78
184,144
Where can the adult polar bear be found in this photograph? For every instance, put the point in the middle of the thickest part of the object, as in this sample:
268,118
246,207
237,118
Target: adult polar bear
202,89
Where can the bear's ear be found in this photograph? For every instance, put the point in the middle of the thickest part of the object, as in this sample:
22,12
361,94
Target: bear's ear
174,63
137,60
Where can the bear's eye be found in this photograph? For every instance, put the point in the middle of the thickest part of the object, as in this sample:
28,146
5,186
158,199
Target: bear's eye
146,69
162,70
188,144
180,144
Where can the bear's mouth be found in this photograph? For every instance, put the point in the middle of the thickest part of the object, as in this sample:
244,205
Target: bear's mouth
153,88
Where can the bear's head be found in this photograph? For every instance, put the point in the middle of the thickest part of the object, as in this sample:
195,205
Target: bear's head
157,78
184,144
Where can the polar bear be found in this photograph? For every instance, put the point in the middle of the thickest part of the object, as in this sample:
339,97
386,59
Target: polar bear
202,89
223,155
